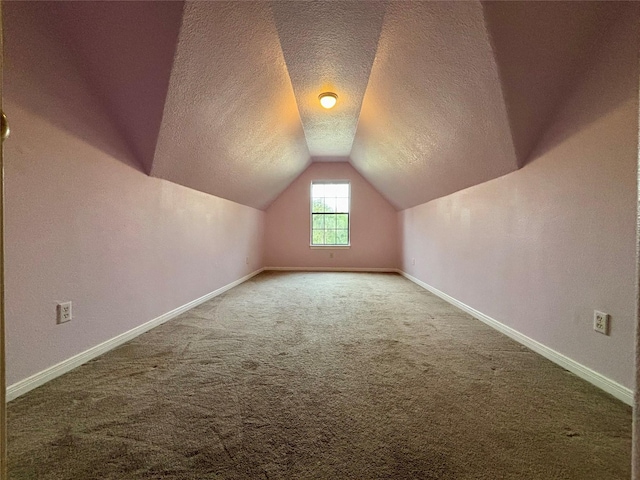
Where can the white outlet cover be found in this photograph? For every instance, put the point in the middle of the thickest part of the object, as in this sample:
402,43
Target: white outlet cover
63,312
601,322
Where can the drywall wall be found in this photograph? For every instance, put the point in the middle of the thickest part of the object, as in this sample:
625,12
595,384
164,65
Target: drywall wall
541,248
635,458
83,224
373,236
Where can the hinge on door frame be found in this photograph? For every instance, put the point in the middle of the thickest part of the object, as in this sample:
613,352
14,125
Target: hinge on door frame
5,127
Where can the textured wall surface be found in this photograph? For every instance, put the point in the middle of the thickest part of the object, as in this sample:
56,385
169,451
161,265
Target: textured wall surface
374,236
231,125
541,248
83,225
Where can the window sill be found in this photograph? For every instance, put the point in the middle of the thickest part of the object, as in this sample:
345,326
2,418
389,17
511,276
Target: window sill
329,247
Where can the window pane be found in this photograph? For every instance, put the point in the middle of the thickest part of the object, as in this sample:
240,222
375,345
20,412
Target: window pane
342,237
330,237
318,190
318,237
330,213
318,222
330,221
329,190
342,190
342,205
317,205
329,204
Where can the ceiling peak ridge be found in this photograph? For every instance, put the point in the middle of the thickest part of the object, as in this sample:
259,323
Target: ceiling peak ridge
500,75
366,89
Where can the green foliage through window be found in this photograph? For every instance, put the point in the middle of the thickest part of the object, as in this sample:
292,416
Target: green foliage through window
330,213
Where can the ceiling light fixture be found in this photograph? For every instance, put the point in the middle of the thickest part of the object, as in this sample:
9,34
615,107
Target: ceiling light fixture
328,99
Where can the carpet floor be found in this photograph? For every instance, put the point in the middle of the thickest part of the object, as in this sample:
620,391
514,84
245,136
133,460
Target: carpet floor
320,376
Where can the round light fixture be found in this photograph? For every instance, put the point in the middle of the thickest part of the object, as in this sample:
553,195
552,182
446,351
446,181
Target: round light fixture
328,99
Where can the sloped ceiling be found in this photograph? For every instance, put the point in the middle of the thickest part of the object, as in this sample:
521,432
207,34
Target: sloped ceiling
433,119
434,97
127,54
540,49
231,125
329,46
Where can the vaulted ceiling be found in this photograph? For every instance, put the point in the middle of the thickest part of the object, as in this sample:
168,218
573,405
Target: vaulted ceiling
433,97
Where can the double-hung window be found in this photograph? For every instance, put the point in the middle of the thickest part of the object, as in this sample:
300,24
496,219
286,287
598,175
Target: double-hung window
330,204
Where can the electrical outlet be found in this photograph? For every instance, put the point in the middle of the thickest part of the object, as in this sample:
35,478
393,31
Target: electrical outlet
601,322
331,255
413,261
63,312
246,260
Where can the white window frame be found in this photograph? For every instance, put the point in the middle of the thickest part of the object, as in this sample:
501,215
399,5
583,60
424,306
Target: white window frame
310,197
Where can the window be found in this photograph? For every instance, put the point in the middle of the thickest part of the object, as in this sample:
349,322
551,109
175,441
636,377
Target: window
330,213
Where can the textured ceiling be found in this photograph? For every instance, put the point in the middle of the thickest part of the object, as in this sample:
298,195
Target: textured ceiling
433,120
434,97
231,125
329,46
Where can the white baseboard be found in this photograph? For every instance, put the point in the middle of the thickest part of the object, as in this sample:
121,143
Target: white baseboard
331,269
619,391
40,378
23,386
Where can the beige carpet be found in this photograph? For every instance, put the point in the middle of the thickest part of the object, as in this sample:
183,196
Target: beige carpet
320,376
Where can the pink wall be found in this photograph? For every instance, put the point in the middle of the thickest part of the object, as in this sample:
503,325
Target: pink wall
541,248
83,224
374,238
